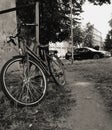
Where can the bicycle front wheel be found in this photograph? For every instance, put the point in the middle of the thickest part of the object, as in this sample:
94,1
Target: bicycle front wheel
57,71
23,81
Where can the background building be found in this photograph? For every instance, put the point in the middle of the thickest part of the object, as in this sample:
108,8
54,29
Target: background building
97,38
61,47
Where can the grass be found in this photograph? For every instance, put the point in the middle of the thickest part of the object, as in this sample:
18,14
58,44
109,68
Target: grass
45,116
48,115
100,73
52,112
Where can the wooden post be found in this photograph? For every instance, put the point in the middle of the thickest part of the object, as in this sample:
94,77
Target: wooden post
71,4
37,22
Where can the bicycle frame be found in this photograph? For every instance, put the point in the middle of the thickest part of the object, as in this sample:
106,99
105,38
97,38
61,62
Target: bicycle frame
28,51
38,59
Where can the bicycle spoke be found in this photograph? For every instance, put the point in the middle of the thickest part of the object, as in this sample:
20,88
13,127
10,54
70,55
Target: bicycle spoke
36,89
57,71
31,94
22,91
23,84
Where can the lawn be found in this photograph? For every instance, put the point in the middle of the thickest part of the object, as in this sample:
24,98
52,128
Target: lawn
100,73
48,115
52,112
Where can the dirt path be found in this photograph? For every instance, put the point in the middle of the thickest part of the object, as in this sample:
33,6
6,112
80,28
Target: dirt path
90,112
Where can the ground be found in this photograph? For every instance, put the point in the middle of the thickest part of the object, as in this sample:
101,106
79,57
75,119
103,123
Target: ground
84,103
90,112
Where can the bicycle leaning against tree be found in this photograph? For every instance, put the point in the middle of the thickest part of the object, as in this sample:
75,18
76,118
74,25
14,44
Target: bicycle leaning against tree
24,78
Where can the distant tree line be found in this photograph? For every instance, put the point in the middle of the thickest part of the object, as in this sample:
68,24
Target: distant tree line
108,40
84,36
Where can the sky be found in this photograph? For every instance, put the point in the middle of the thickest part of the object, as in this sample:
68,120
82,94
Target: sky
97,15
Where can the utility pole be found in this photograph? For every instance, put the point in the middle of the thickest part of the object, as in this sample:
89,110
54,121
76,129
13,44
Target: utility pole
71,10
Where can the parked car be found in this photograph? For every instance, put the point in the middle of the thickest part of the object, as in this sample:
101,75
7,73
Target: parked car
106,53
86,53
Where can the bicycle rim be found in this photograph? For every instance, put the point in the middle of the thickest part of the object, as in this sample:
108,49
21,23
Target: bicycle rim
24,82
57,71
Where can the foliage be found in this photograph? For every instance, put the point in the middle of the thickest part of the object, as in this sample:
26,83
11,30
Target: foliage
97,47
99,2
108,41
46,115
88,38
110,23
78,37
54,18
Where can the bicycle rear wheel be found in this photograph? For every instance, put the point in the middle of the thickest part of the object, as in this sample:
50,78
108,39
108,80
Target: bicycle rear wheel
23,81
57,70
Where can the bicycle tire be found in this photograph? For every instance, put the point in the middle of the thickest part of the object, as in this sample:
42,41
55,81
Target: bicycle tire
57,70
20,88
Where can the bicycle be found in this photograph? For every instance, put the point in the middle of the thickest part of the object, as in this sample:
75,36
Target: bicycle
24,77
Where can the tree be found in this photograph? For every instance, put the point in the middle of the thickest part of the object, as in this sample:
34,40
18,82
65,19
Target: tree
108,41
78,37
99,2
88,38
110,23
54,17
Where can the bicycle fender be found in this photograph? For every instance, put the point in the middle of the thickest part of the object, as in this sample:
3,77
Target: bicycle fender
19,56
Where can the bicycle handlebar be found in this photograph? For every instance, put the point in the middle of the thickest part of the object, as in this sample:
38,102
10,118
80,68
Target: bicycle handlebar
11,38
